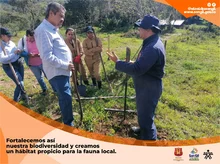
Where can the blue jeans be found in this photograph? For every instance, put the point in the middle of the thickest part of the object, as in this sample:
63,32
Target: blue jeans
62,86
38,73
19,71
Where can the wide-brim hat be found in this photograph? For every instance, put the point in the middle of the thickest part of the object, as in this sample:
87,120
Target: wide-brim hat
148,22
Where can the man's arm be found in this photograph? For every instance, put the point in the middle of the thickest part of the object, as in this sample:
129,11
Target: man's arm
140,66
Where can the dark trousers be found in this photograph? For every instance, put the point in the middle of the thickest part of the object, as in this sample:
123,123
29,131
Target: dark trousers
146,120
147,98
19,71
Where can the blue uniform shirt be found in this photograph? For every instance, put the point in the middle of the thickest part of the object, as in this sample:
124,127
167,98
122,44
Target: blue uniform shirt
148,69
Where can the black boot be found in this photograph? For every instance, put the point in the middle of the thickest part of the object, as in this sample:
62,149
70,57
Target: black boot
136,129
94,81
86,82
99,84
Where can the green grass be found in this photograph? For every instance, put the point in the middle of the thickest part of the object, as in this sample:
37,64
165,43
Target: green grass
189,107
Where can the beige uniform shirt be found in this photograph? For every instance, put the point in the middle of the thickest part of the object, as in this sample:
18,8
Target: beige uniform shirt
72,47
91,48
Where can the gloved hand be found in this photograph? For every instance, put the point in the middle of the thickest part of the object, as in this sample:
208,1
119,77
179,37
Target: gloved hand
77,59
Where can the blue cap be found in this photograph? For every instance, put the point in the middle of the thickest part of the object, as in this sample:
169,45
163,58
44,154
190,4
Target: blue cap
148,22
89,29
5,31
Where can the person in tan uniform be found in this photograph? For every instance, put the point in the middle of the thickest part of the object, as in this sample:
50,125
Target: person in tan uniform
92,47
70,41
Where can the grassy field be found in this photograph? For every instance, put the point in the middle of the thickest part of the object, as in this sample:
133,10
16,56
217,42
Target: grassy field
189,107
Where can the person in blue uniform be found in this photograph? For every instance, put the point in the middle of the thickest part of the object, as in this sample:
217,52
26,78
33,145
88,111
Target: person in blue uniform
147,73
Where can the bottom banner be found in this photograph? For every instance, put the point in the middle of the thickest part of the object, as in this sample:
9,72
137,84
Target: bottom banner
29,138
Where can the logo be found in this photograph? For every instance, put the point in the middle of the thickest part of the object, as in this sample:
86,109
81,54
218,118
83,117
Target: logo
208,154
178,152
206,9
194,156
211,4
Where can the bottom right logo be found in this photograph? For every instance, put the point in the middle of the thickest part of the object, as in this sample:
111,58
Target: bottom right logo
208,154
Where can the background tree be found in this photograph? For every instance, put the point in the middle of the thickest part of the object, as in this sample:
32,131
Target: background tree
109,15
22,14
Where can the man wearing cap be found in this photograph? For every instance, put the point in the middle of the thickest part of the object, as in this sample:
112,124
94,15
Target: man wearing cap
56,58
92,47
147,72
10,54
